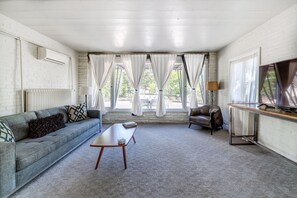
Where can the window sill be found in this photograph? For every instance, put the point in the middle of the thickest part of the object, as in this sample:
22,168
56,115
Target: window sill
147,111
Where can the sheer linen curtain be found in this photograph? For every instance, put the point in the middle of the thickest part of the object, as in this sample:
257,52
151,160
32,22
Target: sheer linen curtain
162,65
134,66
101,66
244,89
194,66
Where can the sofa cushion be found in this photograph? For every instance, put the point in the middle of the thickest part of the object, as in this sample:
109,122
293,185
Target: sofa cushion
76,113
75,129
52,111
29,150
19,124
41,127
6,135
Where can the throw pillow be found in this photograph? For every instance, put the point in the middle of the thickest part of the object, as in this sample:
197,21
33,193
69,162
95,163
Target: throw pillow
76,113
6,135
41,127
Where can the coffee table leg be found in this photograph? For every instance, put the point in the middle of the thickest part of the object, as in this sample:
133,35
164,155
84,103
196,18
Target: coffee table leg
124,154
134,139
99,157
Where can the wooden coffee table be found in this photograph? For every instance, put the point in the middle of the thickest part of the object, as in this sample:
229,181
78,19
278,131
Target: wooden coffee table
110,138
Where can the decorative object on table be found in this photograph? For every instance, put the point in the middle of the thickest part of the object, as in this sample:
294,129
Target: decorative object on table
212,86
129,124
262,106
121,141
85,91
6,135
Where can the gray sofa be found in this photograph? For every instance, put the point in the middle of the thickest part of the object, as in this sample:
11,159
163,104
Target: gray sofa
23,160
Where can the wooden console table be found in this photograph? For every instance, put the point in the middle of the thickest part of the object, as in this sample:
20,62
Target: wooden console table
253,108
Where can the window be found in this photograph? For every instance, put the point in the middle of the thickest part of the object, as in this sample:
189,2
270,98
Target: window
118,92
123,90
106,91
148,89
244,78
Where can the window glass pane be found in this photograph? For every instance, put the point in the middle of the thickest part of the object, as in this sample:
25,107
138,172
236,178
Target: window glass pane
123,89
106,92
173,89
148,89
243,80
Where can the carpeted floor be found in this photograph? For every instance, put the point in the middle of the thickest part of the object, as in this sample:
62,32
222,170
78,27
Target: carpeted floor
169,161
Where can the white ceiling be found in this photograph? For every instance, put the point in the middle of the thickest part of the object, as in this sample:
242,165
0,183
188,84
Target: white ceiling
146,26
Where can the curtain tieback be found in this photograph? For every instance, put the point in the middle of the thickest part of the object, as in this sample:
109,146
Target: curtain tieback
193,89
160,90
136,90
99,89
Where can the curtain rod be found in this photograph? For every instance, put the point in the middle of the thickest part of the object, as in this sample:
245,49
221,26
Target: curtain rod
177,53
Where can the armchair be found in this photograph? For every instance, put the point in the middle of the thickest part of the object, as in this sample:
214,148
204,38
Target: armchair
209,116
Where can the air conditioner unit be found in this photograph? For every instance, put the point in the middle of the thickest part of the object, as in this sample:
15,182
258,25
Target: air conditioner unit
51,56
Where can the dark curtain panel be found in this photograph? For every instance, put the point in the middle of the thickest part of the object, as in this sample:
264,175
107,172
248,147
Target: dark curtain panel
262,75
285,72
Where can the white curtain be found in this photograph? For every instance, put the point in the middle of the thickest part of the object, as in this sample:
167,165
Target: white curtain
134,66
243,89
101,66
162,65
194,66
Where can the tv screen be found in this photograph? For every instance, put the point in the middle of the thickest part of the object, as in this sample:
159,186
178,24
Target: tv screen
278,84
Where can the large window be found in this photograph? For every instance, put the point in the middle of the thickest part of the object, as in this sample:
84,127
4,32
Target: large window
244,78
118,92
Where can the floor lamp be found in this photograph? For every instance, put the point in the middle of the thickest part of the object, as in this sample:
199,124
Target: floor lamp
85,91
212,86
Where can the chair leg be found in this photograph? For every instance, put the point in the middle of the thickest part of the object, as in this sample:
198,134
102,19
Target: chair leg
211,131
190,125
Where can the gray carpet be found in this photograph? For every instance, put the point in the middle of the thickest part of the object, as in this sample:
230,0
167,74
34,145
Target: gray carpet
169,161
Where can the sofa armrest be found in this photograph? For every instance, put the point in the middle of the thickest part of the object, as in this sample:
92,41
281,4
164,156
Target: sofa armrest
95,114
7,168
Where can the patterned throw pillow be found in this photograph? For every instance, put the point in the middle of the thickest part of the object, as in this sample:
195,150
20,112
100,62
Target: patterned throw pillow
76,113
41,127
6,135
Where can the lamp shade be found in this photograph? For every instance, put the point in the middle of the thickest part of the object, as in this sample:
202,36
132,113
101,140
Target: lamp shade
85,90
212,86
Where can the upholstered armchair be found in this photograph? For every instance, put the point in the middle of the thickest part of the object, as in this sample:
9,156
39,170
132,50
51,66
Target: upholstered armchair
209,116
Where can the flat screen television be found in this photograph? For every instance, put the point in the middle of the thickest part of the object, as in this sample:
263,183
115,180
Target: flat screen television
278,84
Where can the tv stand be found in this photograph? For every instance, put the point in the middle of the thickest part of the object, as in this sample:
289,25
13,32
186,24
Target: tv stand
280,113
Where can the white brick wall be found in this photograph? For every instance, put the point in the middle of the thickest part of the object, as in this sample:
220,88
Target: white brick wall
212,75
277,39
36,73
82,72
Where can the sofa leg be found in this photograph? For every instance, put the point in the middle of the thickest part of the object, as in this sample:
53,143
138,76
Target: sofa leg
190,125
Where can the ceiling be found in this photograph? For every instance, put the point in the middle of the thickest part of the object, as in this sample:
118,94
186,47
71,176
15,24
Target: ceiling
144,26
